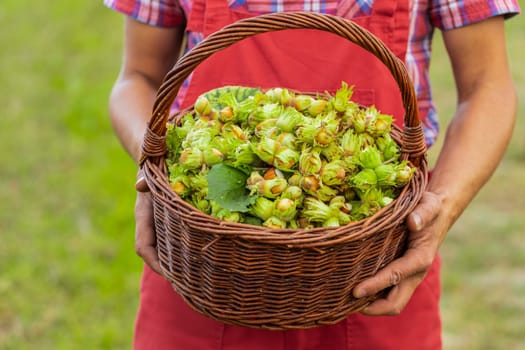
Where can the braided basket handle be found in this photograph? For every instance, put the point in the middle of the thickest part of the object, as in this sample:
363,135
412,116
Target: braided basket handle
413,142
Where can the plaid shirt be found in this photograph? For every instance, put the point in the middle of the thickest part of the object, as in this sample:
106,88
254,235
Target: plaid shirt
425,16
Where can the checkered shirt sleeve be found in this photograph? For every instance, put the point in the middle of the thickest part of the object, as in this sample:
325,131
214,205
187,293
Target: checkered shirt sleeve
450,14
159,13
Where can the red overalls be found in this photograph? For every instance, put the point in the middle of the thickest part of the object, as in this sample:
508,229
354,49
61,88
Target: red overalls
304,60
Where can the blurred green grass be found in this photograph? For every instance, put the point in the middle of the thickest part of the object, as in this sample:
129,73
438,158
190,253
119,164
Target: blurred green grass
68,270
68,273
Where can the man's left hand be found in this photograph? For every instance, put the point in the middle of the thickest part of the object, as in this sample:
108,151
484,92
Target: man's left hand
407,272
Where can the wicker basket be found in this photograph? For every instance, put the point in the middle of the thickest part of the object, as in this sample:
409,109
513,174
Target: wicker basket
266,278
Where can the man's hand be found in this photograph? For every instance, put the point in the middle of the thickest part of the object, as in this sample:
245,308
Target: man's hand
145,239
404,274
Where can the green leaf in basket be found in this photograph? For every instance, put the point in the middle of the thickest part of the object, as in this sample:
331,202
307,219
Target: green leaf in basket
239,93
227,186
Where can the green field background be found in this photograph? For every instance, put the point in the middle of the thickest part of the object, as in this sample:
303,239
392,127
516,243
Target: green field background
68,272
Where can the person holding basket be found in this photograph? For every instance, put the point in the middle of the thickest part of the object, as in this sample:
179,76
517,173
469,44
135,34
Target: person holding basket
158,32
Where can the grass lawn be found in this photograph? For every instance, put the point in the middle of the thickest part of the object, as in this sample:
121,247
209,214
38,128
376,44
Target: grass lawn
68,273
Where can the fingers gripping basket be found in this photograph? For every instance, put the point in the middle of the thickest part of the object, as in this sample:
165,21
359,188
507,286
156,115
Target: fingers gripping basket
267,278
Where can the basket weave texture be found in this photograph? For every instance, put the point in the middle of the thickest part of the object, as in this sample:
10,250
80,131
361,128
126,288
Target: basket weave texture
266,278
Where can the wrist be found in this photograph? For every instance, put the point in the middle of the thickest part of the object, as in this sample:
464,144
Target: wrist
451,204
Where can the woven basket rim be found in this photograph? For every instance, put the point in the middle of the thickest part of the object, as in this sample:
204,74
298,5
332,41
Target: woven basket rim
318,236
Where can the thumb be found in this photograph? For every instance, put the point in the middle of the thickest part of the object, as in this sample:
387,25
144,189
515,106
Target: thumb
425,212
140,184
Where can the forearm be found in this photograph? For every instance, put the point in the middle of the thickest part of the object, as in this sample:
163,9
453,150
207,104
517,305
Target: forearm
131,104
474,144
149,53
480,131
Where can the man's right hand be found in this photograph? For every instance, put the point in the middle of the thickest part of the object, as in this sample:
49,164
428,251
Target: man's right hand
145,238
